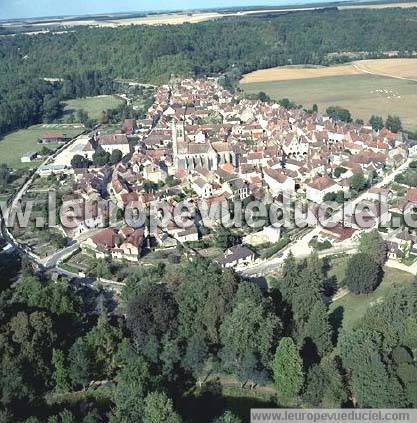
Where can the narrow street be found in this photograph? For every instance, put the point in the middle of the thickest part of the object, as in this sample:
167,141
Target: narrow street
300,247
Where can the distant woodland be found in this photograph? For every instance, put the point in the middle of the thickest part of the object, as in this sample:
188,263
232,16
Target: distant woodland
90,58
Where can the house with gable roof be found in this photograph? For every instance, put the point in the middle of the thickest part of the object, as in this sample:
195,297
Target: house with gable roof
319,186
278,181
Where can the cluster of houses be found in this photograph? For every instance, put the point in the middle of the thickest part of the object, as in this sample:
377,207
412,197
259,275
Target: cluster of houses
199,139
123,244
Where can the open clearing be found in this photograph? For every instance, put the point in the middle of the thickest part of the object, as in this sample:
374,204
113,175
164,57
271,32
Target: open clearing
94,106
17,143
394,68
289,73
353,307
361,89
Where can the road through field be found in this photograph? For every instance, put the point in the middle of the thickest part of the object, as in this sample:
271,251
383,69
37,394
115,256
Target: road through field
406,74
399,68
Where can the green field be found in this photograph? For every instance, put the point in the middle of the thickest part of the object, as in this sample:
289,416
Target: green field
363,95
94,106
355,306
15,144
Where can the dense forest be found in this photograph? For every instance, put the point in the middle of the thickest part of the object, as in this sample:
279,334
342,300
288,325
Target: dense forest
180,335
230,46
153,54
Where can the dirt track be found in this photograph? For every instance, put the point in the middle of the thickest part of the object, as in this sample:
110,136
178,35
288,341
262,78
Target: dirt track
394,68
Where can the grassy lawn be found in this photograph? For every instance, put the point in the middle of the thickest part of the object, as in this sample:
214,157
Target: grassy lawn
4,197
240,401
337,268
363,95
355,306
69,268
211,252
15,144
94,106
212,399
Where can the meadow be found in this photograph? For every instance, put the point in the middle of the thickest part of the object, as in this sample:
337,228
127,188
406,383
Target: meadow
15,144
94,106
351,308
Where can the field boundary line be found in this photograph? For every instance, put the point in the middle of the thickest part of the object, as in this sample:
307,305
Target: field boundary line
359,68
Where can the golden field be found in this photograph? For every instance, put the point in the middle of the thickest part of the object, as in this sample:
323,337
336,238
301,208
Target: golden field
160,19
178,18
379,6
393,68
287,73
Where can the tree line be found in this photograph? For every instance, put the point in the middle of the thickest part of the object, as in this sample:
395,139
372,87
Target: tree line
181,330
153,54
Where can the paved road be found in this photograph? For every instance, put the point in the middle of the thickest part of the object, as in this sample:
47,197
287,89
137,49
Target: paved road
300,247
14,203
401,266
54,259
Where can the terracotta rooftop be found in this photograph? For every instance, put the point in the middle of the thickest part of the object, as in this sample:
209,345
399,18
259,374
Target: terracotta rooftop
105,238
321,182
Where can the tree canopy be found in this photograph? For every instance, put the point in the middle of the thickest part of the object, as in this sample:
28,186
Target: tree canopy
362,274
288,369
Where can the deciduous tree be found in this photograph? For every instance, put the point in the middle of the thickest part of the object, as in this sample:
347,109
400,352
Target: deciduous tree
393,123
204,299
376,122
249,332
133,383
195,356
159,408
358,182
150,315
61,372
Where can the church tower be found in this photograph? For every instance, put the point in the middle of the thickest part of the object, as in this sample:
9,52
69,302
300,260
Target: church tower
178,136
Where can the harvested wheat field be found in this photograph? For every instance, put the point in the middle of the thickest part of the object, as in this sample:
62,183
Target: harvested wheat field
406,5
157,19
287,73
394,68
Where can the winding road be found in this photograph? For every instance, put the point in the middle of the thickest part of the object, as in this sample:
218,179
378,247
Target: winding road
300,248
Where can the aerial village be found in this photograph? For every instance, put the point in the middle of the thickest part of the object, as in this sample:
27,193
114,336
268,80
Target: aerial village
201,143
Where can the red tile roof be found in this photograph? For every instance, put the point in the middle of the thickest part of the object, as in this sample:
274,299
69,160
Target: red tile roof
321,182
106,238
